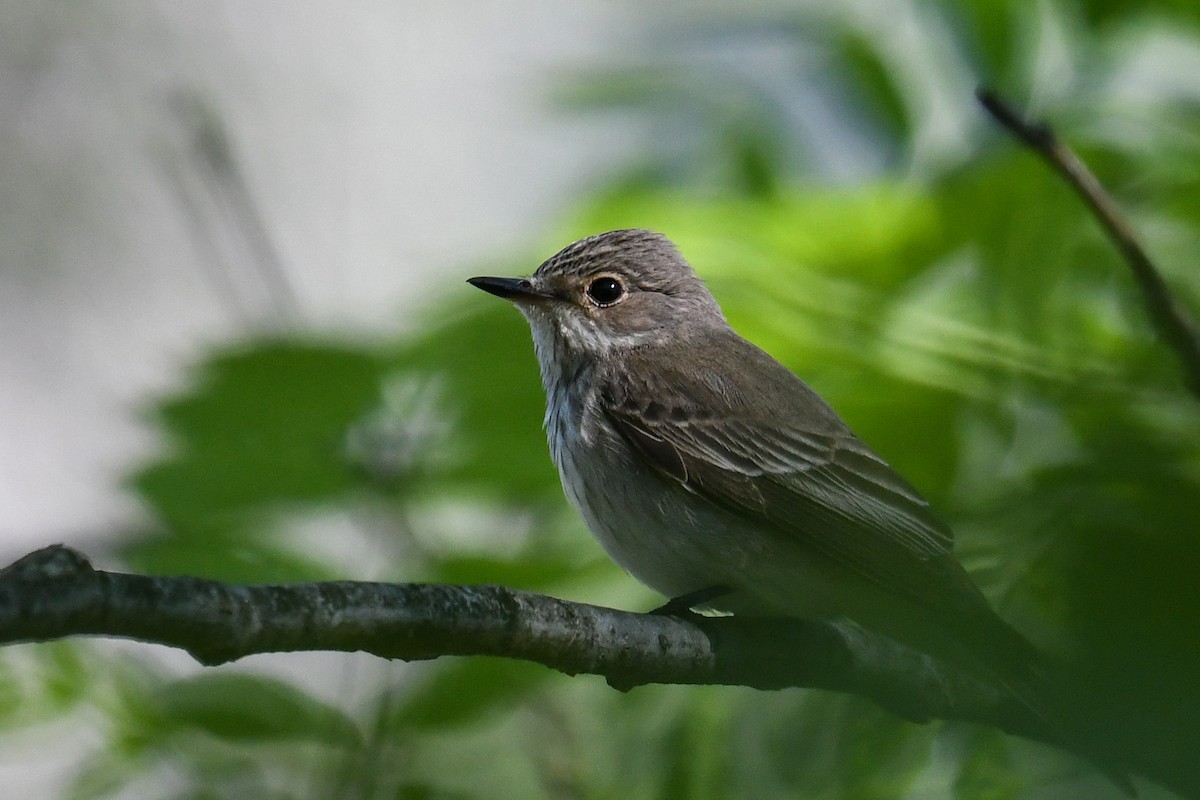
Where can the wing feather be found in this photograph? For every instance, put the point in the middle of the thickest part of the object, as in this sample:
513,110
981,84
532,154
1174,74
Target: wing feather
801,473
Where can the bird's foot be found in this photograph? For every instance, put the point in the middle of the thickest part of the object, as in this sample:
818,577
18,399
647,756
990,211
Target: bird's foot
682,606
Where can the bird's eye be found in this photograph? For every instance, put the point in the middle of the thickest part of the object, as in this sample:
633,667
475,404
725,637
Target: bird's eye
605,291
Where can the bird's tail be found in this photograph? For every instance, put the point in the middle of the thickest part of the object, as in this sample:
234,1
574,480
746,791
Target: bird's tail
1013,662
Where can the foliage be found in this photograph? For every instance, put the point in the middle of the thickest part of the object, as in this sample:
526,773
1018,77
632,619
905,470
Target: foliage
859,220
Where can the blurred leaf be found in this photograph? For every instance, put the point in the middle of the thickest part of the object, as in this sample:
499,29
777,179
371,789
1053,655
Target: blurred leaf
43,681
881,755
987,772
100,776
695,755
993,32
826,745
755,155
466,691
245,707
423,791
1121,11
11,695
485,360
64,673
261,429
874,78
263,424
245,556
530,573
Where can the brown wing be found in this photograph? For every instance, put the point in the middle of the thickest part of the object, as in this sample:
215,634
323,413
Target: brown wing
780,457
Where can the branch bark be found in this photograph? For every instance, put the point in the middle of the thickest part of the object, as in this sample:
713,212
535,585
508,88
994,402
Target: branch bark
1172,320
55,593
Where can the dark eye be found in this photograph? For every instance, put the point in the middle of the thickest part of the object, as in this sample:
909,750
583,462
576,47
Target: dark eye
605,291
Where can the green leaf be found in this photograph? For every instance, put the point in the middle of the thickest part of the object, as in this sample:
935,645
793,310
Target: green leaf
261,429
102,775
876,80
262,424
484,360
13,695
695,753
250,708
65,673
531,571
881,756
987,772
465,691
246,555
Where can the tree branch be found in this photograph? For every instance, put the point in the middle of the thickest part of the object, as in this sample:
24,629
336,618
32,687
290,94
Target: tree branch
1171,319
55,592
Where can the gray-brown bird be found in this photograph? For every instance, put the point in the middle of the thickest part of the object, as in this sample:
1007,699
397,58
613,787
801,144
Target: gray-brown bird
706,468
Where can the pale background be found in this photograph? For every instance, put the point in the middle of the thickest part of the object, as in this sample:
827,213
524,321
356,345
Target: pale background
391,149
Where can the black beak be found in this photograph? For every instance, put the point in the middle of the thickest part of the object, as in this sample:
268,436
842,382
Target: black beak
509,288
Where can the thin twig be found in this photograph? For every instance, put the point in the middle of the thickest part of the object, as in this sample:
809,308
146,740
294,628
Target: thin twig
1171,319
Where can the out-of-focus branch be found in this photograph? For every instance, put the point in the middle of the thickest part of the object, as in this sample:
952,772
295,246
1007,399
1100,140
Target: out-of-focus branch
1171,319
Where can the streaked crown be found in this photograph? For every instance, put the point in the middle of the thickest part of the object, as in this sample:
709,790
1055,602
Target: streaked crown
648,259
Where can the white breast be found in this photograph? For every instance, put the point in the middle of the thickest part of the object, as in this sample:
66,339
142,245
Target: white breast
648,527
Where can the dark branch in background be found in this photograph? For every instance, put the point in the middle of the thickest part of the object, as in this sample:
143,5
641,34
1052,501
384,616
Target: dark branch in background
226,223
55,593
1173,322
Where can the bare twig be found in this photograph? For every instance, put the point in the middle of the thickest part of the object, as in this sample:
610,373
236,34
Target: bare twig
55,592
1171,319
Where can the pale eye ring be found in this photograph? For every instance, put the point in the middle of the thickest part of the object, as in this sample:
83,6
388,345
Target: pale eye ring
605,290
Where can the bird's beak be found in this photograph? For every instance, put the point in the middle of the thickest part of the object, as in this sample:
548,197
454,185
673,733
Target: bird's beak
516,289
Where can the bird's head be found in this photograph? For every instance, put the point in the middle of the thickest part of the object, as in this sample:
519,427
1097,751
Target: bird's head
608,293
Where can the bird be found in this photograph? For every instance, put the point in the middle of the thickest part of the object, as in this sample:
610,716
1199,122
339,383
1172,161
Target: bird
712,473
716,476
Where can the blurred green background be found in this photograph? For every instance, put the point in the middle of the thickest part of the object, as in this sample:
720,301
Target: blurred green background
826,170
